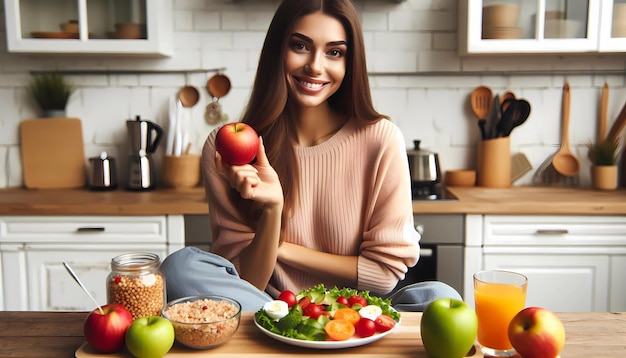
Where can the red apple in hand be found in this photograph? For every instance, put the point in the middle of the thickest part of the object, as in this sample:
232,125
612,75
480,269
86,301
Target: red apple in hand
536,332
237,143
448,328
105,332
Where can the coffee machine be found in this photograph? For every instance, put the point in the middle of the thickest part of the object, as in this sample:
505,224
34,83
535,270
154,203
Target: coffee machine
144,137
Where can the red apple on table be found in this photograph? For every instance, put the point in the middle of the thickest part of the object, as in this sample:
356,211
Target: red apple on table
237,143
536,332
448,328
150,337
105,331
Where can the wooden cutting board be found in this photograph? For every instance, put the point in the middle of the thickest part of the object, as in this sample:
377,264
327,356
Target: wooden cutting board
52,153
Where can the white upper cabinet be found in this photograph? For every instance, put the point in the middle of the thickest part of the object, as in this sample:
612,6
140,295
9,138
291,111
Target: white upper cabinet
122,27
541,26
613,26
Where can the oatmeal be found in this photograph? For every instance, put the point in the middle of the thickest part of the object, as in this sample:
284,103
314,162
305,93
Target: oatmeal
203,323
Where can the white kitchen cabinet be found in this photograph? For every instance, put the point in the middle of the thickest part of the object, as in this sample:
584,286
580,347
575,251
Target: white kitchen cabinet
573,263
34,26
612,29
617,296
32,251
561,283
587,27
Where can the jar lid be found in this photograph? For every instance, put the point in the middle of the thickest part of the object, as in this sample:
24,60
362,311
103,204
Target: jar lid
136,261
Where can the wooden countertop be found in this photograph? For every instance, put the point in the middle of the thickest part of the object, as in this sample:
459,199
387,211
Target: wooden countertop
514,201
529,201
116,202
59,334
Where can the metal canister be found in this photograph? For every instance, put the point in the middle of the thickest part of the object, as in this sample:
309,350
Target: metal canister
102,172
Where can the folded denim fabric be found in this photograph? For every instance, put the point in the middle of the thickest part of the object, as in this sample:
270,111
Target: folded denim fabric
416,297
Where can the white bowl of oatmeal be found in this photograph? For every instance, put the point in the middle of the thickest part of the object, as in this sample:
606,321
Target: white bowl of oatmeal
204,321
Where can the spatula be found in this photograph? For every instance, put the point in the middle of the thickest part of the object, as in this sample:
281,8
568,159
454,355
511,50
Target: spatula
481,101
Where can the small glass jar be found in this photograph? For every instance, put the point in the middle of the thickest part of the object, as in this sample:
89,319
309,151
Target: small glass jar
137,283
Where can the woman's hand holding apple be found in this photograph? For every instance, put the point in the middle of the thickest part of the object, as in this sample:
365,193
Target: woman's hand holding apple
258,181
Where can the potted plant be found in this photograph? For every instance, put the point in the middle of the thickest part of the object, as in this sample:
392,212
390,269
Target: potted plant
603,155
51,92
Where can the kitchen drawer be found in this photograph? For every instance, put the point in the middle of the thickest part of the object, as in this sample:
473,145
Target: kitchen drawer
83,229
554,231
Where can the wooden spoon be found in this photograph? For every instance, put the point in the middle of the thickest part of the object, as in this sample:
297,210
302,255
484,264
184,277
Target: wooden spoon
481,100
188,96
564,161
604,104
506,95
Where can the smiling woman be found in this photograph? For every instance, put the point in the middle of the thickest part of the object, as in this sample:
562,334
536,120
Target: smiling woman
315,65
328,199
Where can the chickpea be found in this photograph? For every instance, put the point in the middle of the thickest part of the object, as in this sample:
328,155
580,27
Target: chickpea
143,295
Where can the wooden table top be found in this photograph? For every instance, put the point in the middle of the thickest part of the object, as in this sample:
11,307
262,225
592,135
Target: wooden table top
59,335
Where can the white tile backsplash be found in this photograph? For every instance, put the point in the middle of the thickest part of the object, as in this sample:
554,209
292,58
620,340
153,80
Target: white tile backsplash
402,39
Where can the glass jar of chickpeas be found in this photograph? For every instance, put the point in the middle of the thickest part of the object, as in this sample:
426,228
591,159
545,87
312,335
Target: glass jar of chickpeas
137,283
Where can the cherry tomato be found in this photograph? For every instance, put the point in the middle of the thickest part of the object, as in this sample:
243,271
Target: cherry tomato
289,297
365,327
357,300
343,301
312,310
348,314
304,301
339,329
384,323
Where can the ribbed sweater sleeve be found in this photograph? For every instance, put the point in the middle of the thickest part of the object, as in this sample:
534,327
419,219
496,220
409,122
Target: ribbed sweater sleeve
354,199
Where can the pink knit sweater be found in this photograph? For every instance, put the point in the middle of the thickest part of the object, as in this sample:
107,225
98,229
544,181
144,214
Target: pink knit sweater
355,199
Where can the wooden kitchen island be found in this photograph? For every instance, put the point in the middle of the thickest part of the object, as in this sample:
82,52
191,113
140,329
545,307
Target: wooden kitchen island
59,335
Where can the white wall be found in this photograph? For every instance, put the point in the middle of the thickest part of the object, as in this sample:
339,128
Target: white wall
425,89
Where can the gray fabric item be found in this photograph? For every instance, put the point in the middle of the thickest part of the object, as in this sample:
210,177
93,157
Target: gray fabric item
416,297
191,271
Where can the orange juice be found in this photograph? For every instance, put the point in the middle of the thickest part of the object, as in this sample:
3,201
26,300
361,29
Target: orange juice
496,304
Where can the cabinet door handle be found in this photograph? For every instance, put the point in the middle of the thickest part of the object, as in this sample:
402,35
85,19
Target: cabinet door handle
552,232
90,229
426,252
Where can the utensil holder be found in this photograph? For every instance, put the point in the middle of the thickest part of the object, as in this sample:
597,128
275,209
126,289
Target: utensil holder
493,165
181,171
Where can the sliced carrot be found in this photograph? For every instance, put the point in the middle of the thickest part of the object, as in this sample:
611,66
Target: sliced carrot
339,329
349,314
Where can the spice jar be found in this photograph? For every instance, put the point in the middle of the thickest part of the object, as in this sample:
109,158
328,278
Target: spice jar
137,283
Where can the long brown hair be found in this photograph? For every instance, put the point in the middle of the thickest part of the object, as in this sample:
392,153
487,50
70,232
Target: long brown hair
268,111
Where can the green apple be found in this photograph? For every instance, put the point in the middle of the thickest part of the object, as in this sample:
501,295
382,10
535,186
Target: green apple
536,332
448,328
150,337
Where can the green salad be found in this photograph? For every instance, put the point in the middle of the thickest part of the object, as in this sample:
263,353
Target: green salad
306,315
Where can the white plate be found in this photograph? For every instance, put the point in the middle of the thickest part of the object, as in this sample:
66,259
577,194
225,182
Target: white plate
352,342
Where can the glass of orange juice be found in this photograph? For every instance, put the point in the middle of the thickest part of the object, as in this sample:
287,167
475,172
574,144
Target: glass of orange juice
498,296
